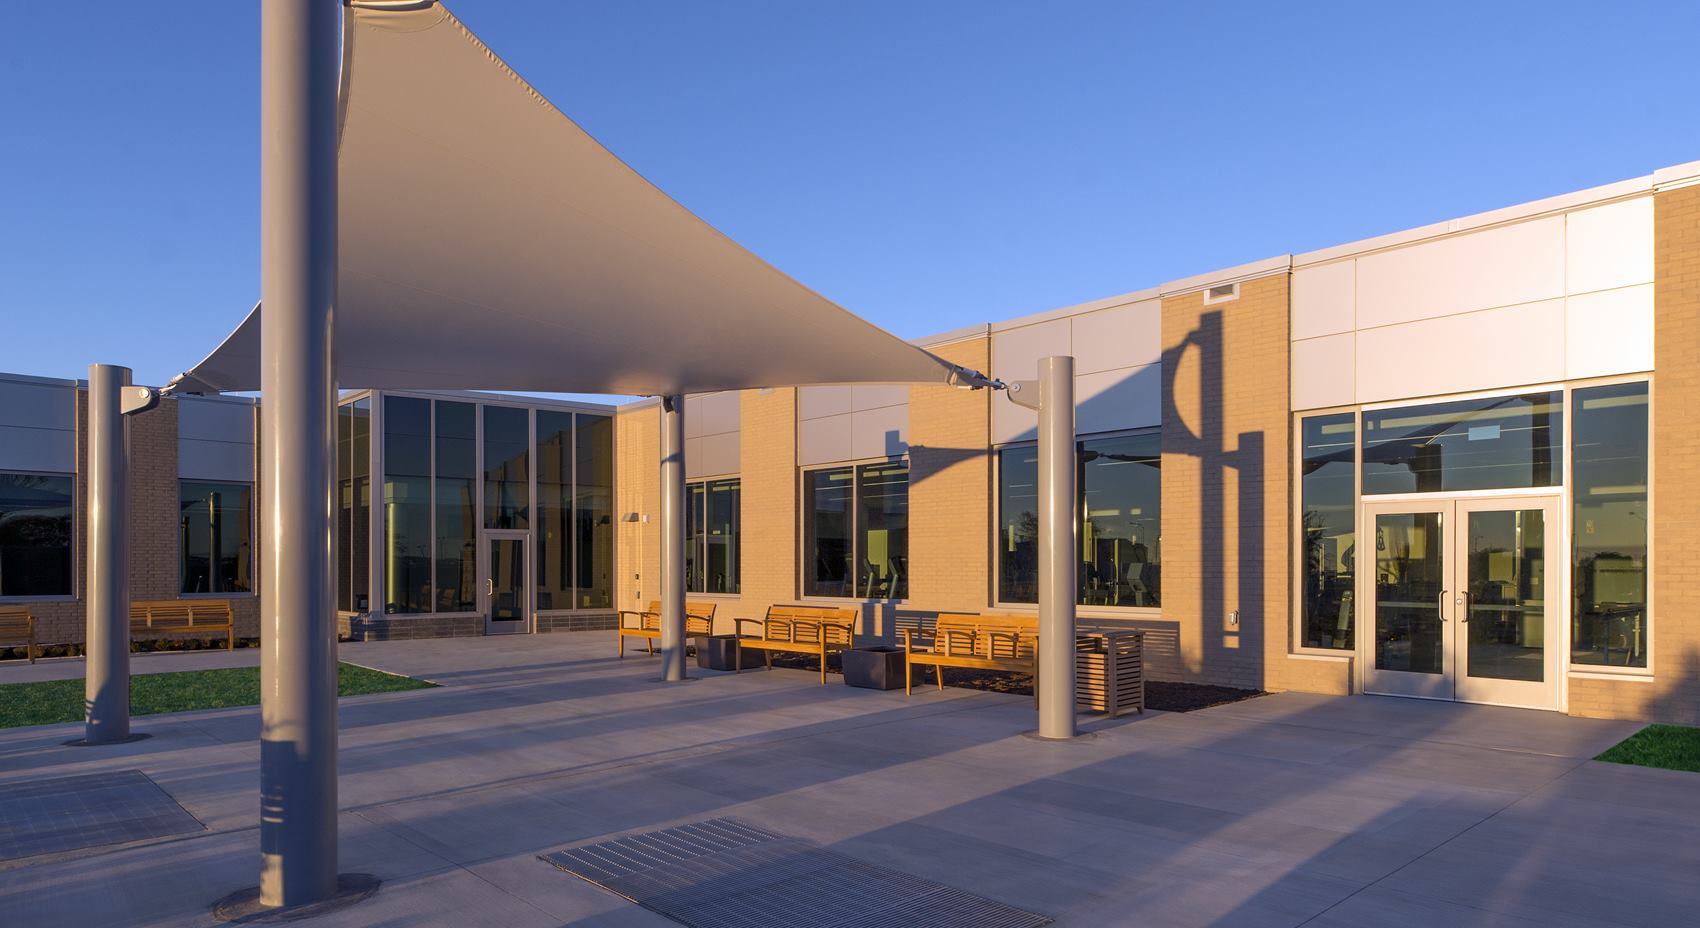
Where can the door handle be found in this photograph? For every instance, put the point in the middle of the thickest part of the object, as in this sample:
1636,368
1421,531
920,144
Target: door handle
1440,604
489,586
1465,597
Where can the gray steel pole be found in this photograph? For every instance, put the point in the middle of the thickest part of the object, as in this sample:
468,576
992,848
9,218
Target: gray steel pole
673,538
1057,547
298,140
106,673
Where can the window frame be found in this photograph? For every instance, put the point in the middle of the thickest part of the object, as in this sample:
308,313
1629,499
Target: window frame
996,531
704,482
253,541
79,512
803,559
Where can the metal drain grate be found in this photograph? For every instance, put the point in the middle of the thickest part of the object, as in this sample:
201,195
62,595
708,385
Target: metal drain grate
724,873
67,813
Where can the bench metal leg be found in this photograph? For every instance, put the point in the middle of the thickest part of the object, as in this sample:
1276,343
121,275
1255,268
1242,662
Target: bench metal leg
908,677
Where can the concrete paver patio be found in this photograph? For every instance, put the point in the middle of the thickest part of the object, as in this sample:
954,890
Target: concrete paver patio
1285,810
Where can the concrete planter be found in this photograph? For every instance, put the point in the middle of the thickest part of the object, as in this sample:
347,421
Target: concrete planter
874,668
717,652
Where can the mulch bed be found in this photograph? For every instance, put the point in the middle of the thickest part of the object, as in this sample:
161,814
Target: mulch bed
1160,695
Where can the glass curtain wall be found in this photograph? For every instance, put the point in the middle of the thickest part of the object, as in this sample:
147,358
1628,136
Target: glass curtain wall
828,495
1120,500
593,510
35,534
354,504
1328,497
507,463
554,539
455,446
215,537
407,504
1608,577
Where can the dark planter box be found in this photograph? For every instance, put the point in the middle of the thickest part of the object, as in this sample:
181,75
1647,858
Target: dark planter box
874,668
717,652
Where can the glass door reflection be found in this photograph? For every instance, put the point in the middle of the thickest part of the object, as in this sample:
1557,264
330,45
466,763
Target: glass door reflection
1506,601
1408,594
507,583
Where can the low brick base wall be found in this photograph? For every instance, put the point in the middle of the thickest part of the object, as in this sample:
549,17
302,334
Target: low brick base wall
577,622
400,627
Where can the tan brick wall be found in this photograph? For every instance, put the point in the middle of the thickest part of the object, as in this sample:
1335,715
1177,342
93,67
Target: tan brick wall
950,489
1674,693
1226,502
637,552
768,460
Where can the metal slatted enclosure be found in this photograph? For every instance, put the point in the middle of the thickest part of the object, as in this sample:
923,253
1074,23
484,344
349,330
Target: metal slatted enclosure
724,873
1109,671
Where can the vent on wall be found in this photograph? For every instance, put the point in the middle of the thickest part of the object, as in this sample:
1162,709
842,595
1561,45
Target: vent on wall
1222,293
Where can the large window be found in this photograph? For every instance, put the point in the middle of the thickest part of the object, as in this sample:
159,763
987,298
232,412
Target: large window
1609,528
593,508
554,509
507,458
35,534
354,504
1498,442
455,448
407,504
856,531
711,536
215,536
1119,484
1328,500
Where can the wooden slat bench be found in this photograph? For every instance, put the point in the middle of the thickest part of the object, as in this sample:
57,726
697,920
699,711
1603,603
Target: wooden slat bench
17,626
175,616
982,642
699,622
818,630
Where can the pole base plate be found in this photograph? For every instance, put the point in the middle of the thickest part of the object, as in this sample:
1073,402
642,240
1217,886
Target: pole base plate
243,906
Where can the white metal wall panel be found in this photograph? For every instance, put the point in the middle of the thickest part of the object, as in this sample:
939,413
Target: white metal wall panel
1117,338
820,402
1106,401
879,432
711,414
38,427
215,440
1610,332
1494,348
1324,299
1520,263
712,455
824,440
1609,246
1325,371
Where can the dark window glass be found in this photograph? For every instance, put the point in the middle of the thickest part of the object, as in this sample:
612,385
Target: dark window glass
720,536
215,537
827,498
35,534
456,498
554,509
593,510
354,504
1329,501
696,531
1120,499
407,504
1609,572
711,536
507,478
882,530
1485,444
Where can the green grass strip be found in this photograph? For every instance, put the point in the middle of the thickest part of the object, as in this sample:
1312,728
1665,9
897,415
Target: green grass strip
52,701
1668,747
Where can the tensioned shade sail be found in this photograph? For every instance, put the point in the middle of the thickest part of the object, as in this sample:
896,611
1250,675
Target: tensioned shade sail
485,241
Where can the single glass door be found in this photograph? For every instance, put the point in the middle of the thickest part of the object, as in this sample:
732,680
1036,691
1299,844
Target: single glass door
507,583
1506,603
1407,587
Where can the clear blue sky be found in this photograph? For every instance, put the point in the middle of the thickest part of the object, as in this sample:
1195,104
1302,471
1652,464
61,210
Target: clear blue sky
928,165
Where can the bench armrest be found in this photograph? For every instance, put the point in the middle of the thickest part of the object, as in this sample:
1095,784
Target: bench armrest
738,626
633,612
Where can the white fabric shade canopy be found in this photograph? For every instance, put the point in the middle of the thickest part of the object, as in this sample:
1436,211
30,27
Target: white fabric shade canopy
485,241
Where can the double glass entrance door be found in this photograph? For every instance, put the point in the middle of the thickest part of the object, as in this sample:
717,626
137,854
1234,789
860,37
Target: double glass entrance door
1462,598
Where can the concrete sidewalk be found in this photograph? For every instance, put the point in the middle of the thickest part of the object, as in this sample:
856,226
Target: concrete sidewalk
71,668
1281,811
